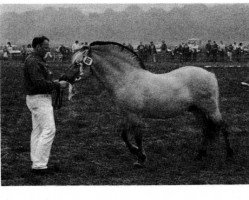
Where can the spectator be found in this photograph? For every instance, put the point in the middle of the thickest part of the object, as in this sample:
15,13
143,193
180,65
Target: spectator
141,49
23,52
130,47
239,52
222,49
186,52
230,52
214,51
163,47
179,52
235,51
10,49
5,53
153,52
195,50
208,50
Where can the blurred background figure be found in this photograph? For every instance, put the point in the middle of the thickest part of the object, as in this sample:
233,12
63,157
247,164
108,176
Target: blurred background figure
153,52
5,53
222,50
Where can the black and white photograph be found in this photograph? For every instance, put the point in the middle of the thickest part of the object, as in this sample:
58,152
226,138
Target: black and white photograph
124,94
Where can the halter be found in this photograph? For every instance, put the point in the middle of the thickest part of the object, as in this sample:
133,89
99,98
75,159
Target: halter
87,60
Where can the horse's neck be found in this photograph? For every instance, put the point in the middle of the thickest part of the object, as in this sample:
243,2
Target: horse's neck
112,73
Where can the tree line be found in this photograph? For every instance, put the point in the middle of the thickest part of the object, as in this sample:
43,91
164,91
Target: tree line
227,22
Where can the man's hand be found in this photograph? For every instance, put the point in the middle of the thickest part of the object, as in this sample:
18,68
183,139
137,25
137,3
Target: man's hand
64,84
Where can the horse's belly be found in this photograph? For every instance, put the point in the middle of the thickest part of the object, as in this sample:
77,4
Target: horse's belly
166,109
155,97
158,106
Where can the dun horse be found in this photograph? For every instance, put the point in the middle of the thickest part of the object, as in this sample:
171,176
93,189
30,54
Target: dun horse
140,94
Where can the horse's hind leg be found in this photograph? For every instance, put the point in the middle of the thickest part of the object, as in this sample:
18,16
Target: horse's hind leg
141,156
133,126
212,124
210,129
125,130
225,132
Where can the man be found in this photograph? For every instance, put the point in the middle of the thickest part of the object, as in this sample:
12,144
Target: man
130,46
195,50
186,52
222,50
39,86
153,51
214,51
208,48
140,50
163,47
239,51
230,52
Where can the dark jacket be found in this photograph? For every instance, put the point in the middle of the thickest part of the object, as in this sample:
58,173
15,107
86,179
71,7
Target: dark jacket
37,76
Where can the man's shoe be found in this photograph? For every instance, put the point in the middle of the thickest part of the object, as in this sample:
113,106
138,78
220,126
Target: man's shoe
48,171
40,172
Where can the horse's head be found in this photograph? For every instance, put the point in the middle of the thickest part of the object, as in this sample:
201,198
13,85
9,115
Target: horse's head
79,65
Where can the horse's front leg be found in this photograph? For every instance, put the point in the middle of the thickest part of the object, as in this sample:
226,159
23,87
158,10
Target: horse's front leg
136,126
125,130
141,156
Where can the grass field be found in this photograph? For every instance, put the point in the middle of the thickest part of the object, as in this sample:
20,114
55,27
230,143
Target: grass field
89,150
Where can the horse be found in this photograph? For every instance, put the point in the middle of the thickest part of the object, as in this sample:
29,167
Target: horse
140,94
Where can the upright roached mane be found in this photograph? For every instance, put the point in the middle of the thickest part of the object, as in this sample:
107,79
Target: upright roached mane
122,48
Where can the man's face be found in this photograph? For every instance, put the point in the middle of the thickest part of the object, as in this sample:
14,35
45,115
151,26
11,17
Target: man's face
43,48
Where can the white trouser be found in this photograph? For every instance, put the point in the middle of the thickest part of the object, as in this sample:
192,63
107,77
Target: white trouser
43,132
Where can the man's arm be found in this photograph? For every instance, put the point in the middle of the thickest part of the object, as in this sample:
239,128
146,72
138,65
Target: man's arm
39,82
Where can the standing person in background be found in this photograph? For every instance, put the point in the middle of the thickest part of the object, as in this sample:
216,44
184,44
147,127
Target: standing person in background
240,51
163,47
24,53
10,49
235,52
222,50
140,50
195,49
39,86
130,47
214,51
185,52
5,53
153,52
208,48
230,52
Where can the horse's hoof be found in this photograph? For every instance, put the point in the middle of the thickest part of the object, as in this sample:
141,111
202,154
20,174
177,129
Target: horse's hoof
138,165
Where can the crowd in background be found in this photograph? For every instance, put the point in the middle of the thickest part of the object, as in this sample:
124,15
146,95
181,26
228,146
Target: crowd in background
192,51
184,52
